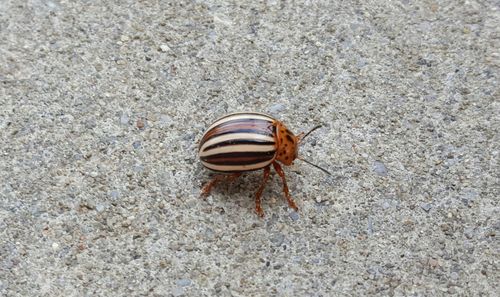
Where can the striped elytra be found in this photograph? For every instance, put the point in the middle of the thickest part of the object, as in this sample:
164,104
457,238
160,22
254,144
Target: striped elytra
239,142
248,141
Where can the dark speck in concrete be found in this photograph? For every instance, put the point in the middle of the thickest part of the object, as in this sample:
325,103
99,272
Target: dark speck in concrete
101,112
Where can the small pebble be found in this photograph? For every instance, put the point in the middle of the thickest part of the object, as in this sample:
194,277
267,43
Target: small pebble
278,239
277,108
379,168
90,123
426,206
164,48
370,226
165,119
115,194
433,263
100,207
294,216
124,119
183,282
469,233
136,144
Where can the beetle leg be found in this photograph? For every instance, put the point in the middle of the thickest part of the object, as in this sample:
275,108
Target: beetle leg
208,186
258,195
300,136
281,173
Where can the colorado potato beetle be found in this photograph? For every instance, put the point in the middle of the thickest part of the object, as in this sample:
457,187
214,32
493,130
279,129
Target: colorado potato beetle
248,141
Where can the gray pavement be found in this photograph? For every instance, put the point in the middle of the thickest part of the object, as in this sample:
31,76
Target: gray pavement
102,106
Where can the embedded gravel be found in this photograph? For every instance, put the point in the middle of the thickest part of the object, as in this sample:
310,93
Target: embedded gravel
102,106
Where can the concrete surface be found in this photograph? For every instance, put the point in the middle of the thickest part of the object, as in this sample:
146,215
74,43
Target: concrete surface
102,106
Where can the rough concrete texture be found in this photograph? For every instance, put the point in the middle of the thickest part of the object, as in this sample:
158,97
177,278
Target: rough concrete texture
102,106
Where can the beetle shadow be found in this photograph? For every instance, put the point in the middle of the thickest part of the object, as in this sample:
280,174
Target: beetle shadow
248,182
242,190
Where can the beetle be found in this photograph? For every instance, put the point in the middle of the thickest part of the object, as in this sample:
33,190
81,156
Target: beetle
248,141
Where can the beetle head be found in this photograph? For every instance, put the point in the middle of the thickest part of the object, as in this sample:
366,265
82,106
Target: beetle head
288,145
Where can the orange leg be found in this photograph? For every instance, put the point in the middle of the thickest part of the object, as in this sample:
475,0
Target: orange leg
258,195
218,178
281,173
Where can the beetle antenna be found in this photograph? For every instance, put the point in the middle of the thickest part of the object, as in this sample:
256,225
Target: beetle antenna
320,168
305,135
